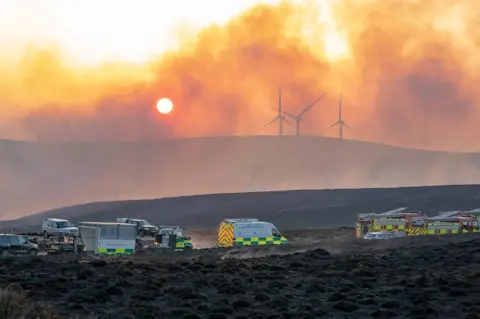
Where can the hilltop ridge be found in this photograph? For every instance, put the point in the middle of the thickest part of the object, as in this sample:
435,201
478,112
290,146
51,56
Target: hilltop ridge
37,176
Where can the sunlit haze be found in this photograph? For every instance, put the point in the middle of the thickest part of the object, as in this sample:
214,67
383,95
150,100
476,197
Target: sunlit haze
94,70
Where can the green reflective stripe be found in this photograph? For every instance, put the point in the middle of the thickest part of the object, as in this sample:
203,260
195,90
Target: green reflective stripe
115,251
182,243
262,241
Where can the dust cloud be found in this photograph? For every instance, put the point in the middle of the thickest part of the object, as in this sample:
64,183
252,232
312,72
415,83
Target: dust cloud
408,79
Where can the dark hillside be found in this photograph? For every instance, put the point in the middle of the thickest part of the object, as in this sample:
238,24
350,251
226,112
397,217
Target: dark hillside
288,209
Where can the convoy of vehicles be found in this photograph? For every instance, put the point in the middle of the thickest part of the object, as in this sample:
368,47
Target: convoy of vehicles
123,236
400,223
248,231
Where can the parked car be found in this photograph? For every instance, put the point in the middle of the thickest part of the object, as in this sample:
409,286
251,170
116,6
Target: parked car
11,244
379,235
144,228
57,227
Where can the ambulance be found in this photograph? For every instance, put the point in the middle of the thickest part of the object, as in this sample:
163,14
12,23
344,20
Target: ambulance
248,232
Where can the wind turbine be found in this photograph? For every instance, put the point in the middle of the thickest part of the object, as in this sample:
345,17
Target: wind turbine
298,118
340,122
280,116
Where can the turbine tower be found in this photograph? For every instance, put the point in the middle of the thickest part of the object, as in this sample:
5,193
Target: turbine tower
298,118
340,122
280,116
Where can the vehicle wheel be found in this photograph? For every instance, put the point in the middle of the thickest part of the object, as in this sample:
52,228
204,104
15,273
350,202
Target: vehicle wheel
5,253
33,252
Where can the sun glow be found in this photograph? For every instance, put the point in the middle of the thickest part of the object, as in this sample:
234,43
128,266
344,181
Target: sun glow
164,105
335,45
94,32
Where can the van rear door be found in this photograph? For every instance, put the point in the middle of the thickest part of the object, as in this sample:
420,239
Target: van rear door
225,235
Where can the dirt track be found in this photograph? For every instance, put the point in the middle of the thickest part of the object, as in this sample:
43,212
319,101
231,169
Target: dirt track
418,278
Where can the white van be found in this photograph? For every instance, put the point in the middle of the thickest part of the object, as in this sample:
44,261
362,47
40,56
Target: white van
104,238
248,231
57,227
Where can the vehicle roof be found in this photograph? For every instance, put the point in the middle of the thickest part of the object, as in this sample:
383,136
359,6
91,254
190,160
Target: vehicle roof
246,222
256,223
105,223
396,215
56,219
452,218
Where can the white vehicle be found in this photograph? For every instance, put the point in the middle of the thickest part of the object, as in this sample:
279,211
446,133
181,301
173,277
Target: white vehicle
379,235
248,231
57,227
108,238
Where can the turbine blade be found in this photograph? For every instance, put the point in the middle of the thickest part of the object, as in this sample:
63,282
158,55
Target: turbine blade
272,108
347,126
284,119
289,114
271,121
340,108
336,123
284,112
311,105
279,100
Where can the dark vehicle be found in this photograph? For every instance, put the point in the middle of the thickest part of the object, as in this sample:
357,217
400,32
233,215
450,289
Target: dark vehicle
144,228
11,244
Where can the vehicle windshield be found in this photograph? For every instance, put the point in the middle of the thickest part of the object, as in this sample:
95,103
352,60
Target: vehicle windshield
18,240
370,235
142,222
276,233
64,224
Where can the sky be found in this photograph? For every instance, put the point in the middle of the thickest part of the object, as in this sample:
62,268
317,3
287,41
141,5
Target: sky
94,70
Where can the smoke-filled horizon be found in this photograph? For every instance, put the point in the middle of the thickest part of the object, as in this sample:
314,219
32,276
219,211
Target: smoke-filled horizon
407,71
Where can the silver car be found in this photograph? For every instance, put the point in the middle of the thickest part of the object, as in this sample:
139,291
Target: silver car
379,235
57,227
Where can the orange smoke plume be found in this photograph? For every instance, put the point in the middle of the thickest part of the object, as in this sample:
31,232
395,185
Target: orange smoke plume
406,70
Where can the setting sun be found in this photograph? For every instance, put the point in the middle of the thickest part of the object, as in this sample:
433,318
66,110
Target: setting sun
164,105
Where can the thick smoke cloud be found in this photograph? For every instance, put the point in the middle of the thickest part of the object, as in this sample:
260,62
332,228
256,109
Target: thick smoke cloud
409,80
